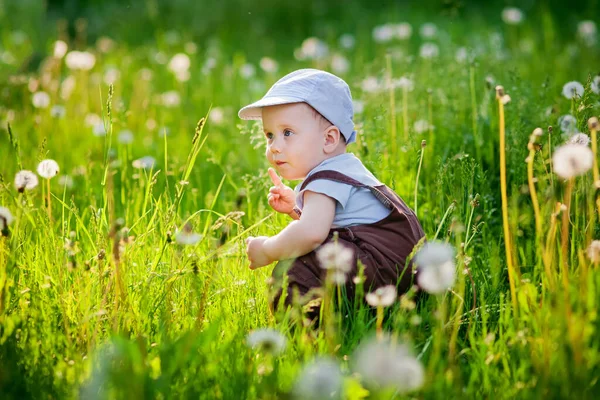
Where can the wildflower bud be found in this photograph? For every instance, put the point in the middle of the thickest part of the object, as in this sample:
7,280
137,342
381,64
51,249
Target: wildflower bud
505,99
169,237
593,123
101,255
423,143
593,251
475,201
499,91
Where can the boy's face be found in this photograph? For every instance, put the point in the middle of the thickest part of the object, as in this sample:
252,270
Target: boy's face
295,139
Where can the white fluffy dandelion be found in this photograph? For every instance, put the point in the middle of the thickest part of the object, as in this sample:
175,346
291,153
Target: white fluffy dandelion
98,129
312,49
461,55
321,379
269,65
571,160
40,100
403,30
180,63
596,84
382,364
80,60
370,84
358,106
572,89
268,340
146,162
436,268
60,49
217,115
58,111
125,137
48,169
404,83
25,180
422,125
187,237
593,251
429,50
383,33
347,41
579,138
6,219
587,31
247,71
568,124
339,64
428,30
170,99
337,259
512,16
384,296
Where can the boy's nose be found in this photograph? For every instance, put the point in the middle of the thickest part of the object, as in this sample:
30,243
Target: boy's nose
275,146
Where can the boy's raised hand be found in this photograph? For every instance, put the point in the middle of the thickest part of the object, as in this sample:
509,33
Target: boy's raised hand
281,198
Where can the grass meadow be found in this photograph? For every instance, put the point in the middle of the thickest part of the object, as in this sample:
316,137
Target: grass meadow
123,274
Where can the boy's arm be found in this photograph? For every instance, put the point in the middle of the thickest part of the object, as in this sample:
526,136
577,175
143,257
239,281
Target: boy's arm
304,235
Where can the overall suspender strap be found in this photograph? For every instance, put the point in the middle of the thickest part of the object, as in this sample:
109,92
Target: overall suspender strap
339,177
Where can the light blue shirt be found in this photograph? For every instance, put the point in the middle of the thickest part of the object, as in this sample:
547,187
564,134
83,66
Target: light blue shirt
354,205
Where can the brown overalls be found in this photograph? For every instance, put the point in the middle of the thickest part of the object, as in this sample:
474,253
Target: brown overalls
382,247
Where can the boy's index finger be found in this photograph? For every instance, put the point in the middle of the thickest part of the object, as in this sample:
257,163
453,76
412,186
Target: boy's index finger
275,178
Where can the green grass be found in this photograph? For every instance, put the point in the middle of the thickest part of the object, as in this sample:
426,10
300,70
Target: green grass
96,307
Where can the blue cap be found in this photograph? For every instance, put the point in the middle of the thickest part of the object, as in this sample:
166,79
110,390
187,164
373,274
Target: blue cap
325,92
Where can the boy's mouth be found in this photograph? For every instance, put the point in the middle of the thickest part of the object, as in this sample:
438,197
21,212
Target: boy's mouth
278,163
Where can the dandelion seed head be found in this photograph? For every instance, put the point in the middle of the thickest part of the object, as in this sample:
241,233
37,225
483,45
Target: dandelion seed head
179,63
111,75
596,84
383,33
312,49
384,296
98,129
57,111
347,41
267,340
170,99
335,256
461,55
40,100
579,138
358,106
568,124
66,180
382,364
25,180
571,160
146,162
587,31
428,30
125,137
436,268
216,116
403,30
104,44
247,71
512,16
593,123
190,47
429,50
339,64
60,49
593,251
421,126
6,219
404,83
269,65
572,89
48,169
370,84
321,379
80,60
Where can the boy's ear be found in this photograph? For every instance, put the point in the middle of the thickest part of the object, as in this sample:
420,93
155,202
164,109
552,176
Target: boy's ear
332,139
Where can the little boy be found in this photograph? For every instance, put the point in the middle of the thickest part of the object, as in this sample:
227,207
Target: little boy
308,121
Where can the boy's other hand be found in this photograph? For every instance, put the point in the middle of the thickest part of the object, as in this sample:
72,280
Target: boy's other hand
257,255
281,198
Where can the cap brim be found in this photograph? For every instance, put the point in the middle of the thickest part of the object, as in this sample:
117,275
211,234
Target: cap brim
254,110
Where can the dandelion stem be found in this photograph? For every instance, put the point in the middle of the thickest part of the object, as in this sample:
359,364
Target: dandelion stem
533,193
474,109
564,239
48,200
548,250
595,172
405,112
507,241
379,322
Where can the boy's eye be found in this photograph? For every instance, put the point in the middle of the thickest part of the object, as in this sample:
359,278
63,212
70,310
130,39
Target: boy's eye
287,132
269,135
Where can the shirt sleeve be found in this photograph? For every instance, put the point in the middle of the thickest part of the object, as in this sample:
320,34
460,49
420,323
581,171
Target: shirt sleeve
336,190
